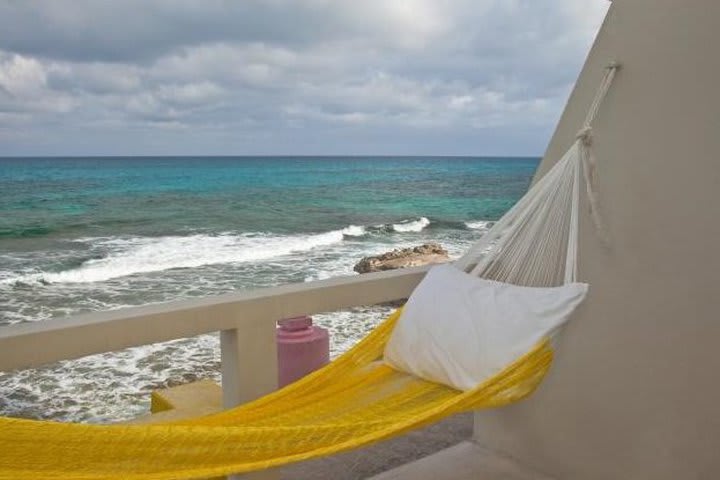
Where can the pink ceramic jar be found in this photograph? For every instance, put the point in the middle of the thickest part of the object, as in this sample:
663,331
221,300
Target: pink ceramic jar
301,348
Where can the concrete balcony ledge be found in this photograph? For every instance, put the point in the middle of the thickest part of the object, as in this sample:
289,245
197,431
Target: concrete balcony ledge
33,344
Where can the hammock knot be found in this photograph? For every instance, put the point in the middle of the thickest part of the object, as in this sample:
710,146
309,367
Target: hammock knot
585,135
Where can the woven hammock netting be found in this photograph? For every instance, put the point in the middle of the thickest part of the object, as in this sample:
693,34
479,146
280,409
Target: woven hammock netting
354,401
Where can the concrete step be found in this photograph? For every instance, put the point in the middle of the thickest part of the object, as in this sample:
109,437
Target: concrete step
184,401
464,461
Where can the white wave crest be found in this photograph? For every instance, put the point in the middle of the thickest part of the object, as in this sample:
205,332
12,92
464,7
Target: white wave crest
354,231
411,225
131,256
479,225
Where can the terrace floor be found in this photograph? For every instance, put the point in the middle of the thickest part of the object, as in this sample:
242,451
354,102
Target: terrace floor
381,457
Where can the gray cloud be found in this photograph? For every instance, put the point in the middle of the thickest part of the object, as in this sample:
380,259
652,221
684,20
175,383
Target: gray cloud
136,30
276,76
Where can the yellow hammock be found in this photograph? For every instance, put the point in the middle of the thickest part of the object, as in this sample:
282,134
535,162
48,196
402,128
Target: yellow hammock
354,401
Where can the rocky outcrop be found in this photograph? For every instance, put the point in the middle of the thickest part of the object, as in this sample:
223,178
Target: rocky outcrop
402,258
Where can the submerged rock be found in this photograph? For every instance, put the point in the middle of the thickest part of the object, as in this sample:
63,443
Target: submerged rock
403,257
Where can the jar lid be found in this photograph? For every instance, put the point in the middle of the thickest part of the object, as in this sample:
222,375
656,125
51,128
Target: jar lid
296,323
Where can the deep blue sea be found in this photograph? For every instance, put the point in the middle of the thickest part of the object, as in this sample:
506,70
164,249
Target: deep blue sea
88,234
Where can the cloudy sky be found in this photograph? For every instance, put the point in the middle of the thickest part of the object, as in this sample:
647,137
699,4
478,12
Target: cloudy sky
413,77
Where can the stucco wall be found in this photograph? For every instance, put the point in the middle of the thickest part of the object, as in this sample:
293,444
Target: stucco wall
635,390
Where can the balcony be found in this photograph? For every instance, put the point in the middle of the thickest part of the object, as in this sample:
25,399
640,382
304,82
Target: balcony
246,322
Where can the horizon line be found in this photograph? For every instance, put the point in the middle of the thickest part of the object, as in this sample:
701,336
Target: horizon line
272,156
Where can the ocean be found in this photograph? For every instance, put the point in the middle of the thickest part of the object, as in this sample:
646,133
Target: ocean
88,234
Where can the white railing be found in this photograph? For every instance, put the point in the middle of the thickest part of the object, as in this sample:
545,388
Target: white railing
246,321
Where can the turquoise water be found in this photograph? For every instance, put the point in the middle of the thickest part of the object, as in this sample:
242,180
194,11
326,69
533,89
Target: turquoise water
64,198
87,234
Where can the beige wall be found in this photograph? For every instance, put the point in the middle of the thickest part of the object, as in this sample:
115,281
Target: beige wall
635,391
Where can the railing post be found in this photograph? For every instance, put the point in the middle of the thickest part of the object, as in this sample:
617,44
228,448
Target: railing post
249,370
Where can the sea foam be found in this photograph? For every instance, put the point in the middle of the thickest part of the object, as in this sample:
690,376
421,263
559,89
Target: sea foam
354,231
479,224
411,225
130,256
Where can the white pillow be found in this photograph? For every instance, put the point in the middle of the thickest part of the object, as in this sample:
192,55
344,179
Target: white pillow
459,330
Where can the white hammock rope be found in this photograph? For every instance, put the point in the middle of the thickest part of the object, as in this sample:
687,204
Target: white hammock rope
535,242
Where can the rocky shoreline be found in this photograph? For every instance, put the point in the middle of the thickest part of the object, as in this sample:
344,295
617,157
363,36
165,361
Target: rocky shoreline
426,254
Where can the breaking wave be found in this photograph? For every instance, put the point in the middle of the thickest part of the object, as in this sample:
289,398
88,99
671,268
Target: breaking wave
411,225
354,231
480,224
135,255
